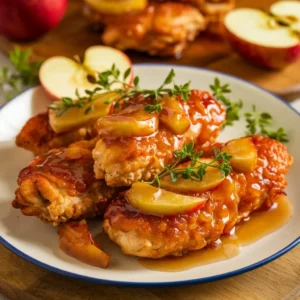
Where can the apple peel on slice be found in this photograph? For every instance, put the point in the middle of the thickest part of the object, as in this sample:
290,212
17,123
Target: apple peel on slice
255,36
244,154
76,241
61,76
150,199
211,179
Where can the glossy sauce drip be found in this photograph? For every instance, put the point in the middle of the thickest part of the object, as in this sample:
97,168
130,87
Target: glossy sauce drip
258,225
204,113
74,166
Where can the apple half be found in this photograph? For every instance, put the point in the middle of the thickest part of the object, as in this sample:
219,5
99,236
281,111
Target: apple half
60,76
259,39
153,200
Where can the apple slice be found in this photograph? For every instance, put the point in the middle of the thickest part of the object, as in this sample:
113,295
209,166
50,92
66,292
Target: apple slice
153,200
173,116
211,179
132,124
258,38
61,76
116,7
76,241
244,154
76,117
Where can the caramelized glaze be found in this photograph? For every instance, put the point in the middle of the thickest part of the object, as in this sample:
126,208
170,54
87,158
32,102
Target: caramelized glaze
258,225
72,165
124,160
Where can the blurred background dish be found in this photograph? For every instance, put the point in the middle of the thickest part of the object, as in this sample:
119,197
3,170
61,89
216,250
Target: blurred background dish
160,28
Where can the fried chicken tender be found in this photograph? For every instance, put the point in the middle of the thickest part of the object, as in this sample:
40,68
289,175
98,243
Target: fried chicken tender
234,199
122,161
160,29
61,186
38,137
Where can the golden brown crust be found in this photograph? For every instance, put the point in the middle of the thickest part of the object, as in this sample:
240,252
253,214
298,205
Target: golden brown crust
161,28
38,137
234,199
61,186
122,161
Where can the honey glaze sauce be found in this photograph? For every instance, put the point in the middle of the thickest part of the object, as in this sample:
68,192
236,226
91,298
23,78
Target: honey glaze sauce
258,225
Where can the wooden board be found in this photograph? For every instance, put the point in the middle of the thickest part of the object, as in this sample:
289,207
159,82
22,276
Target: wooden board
22,280
281,278
74,35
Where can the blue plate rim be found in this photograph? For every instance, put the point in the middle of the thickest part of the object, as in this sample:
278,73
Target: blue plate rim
170,283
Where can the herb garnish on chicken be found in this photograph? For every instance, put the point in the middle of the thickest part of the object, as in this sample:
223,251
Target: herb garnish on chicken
105,81
196,169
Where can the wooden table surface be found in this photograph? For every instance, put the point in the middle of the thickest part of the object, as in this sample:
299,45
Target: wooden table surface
279,279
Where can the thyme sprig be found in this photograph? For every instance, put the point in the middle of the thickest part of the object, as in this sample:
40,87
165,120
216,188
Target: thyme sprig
232,108
195,169
105,83
25,73
260,123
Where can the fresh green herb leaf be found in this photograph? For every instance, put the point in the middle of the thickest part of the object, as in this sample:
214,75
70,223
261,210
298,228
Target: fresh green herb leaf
25,74
260,123
232,108
170,77
108,78
126,74
196,169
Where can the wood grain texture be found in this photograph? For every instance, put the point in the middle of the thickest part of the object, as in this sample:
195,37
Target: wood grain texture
73,35
277,280
269,79
22,280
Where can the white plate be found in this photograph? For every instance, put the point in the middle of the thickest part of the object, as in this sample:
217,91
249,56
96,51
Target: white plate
38,242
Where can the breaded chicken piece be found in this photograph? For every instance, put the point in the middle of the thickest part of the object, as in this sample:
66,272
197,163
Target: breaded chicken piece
160,29
122,161
61,186
38,137
235,198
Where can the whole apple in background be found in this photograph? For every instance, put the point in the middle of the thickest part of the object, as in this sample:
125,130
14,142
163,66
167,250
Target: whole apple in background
29,19
257,37
61,76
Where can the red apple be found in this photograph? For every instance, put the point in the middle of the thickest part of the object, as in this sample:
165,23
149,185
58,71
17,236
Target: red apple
257,37
60,76
29,19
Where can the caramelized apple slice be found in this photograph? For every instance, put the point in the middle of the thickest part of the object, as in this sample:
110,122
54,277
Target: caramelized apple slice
76,117
153,200
211,179
117,7
136,123
244,154
174,117
76,241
